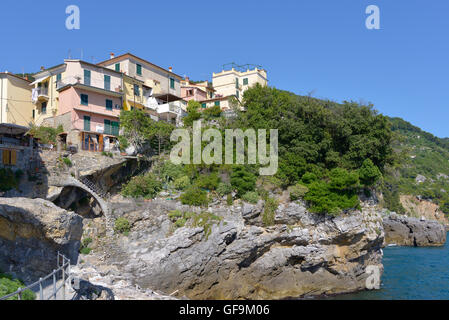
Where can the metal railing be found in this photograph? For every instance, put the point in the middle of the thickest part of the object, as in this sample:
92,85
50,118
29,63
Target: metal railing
63,268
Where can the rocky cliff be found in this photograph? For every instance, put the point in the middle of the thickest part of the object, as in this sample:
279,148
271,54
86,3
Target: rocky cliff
32,231
235,257
407,231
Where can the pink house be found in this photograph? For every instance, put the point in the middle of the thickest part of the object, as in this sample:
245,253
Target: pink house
90,102
193,93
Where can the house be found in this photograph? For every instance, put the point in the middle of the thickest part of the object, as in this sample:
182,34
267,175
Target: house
160,88
45,97
236,81
15,100
196,91
90,99
16,148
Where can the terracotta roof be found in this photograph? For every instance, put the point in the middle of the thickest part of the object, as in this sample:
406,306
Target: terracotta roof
16,76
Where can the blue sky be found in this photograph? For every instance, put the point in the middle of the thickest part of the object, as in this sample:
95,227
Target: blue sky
319,46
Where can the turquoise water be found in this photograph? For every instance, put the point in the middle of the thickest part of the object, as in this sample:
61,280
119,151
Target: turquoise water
411,273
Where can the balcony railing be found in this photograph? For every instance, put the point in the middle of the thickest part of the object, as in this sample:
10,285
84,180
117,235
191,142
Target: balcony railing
42,91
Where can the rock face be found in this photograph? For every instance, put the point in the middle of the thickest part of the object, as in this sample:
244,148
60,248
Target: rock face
31,233
302,254
406,231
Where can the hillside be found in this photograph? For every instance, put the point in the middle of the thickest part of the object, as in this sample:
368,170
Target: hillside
422,164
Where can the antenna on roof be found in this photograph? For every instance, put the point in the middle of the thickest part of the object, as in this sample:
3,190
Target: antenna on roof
82,54
70,54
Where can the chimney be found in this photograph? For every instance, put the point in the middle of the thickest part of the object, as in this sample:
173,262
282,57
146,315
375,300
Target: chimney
170,69
187,80
112,55
42,68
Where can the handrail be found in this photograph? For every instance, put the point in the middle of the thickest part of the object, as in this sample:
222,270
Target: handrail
65,275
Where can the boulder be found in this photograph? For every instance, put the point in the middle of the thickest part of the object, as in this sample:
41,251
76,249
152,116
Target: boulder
405,231
32,231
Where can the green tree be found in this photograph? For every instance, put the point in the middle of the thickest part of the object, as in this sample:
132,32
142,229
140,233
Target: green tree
193,113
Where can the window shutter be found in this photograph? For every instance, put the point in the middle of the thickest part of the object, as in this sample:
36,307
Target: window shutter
5,157
86,123
107,82
117,67
13,157
87,77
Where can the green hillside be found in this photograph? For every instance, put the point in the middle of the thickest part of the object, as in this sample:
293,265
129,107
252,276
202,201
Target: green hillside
418,154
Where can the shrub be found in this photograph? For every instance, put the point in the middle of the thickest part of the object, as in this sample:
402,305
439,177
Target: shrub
8,180
210,113
298,192
146,186
18,174
86,250
122,226
194,196
224,189
107,154
229,200
243,180
309,177
269,212
251,197
208,181
369,173
9,285
171,171
182,183
67,162
205,220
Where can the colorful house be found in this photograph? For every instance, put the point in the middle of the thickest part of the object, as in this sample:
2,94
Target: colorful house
160,89
90,99
196,91
15,100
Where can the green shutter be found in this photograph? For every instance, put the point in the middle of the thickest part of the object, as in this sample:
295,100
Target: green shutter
172,83
87,77
107,82
58,77
236,83
115,128
245,81
86,123
139,69
107,126
217,103
44,107
117,67
203,105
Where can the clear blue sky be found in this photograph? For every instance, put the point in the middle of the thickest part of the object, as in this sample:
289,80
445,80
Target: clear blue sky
319,46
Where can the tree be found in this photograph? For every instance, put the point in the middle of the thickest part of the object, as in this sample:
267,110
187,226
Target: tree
193,113
369,173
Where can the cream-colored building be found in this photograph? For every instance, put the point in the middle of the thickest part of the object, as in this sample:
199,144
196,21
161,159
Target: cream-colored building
15,100
235,82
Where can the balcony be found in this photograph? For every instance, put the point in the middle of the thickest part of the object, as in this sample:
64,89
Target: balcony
42,94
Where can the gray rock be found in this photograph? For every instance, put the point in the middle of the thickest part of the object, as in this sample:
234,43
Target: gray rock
406,231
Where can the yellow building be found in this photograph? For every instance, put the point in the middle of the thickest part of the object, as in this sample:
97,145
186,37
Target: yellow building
136,93
15,100
236,81
45,95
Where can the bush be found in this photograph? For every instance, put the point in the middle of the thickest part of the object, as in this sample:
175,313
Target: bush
9,285
269,212
194,196
229,200
208,181
171,171
122,226
224,189
146,186
243,180
8,180
210,113
86,250
298,192
251,197
67,162
107,154
182,183
369,173
46,135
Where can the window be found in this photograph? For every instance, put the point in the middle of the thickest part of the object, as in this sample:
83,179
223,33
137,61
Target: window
211,95
87,77
115,126
237,83
237,94
86,123
190,92
107,82
58,77
34,113
117,67
217,103
44,107
139,69
9,157
107,126
84,100
172,83
136,90
108,104
203,106
245,81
